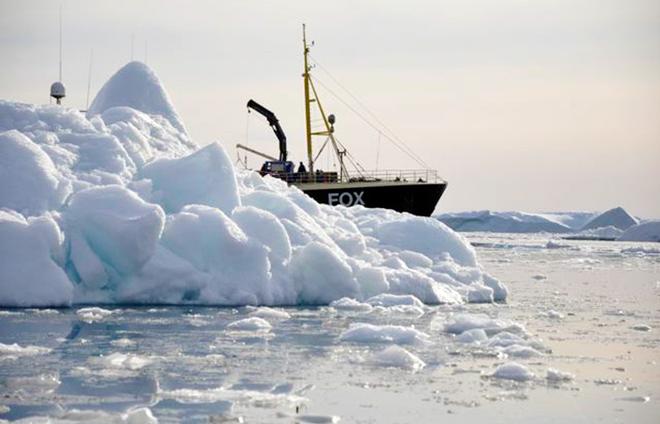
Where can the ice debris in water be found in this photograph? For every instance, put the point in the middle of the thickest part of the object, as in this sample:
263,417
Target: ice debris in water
120,206
398,357
92,314
513,371
140,415
368,333
554,375
14,350
270,313
250,324
352,305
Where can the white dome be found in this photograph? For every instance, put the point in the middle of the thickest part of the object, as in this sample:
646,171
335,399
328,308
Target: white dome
57,90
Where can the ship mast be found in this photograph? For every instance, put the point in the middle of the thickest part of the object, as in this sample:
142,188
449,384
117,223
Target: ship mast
328,120
308,122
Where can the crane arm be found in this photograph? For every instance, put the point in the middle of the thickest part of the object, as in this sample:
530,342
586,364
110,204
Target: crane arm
274,124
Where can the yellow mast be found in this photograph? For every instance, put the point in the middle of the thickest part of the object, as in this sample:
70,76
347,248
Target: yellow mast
308,122
328,121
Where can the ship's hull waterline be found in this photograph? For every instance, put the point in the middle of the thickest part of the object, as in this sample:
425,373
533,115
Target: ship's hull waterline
412,197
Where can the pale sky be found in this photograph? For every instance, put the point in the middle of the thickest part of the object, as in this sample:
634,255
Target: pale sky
521,105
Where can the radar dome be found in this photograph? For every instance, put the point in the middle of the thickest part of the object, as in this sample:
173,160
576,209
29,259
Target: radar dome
57,91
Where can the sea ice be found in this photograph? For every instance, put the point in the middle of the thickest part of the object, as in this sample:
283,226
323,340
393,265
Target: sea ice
398,357
120,206
368,333
513,371
348,304
617,217
250,324
555,375
11,351
646,231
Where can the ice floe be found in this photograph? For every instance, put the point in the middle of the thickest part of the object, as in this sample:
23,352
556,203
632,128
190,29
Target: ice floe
513,371
14,350
250,324
645,231
398,357
369,333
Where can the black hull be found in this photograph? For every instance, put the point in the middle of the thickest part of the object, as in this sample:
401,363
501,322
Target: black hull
415,198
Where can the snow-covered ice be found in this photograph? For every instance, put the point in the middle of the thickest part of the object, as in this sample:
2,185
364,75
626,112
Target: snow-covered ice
369,333
398,357
645,231
513,371
120,206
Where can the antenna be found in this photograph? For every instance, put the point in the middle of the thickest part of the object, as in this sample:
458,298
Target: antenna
60,77
89,77
57,90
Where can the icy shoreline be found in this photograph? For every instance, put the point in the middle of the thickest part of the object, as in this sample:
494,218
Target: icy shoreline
121,207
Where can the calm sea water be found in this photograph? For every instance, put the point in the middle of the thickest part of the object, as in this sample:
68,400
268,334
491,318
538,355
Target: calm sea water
593,306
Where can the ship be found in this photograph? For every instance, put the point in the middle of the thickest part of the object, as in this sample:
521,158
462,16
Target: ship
415,191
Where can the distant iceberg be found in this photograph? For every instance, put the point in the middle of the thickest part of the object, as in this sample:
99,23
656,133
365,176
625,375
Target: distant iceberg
515,222
120,206
617,218
646,231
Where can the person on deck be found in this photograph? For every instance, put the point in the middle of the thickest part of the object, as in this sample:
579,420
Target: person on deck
301,168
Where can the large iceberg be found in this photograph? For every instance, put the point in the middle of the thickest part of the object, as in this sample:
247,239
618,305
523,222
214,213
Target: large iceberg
616,217
120,206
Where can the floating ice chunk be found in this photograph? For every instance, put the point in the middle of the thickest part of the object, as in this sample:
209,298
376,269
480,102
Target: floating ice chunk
317,419
125,361
475,335
250,324
137,86
463,322
93,313
31,386
30,182
398,357
554,375
513,222
553,314
521,351
539,277
266,312
29,275
263,399
388,300
348,304
478,293
11,351
140,415
205,177
123,342
513,371
372,280
368,333
552,244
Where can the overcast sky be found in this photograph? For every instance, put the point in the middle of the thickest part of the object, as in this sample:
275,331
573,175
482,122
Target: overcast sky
520,105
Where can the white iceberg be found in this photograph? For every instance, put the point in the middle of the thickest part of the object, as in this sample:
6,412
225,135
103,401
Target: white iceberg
120,206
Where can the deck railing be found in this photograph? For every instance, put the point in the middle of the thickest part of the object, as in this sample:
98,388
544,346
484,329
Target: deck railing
391,175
